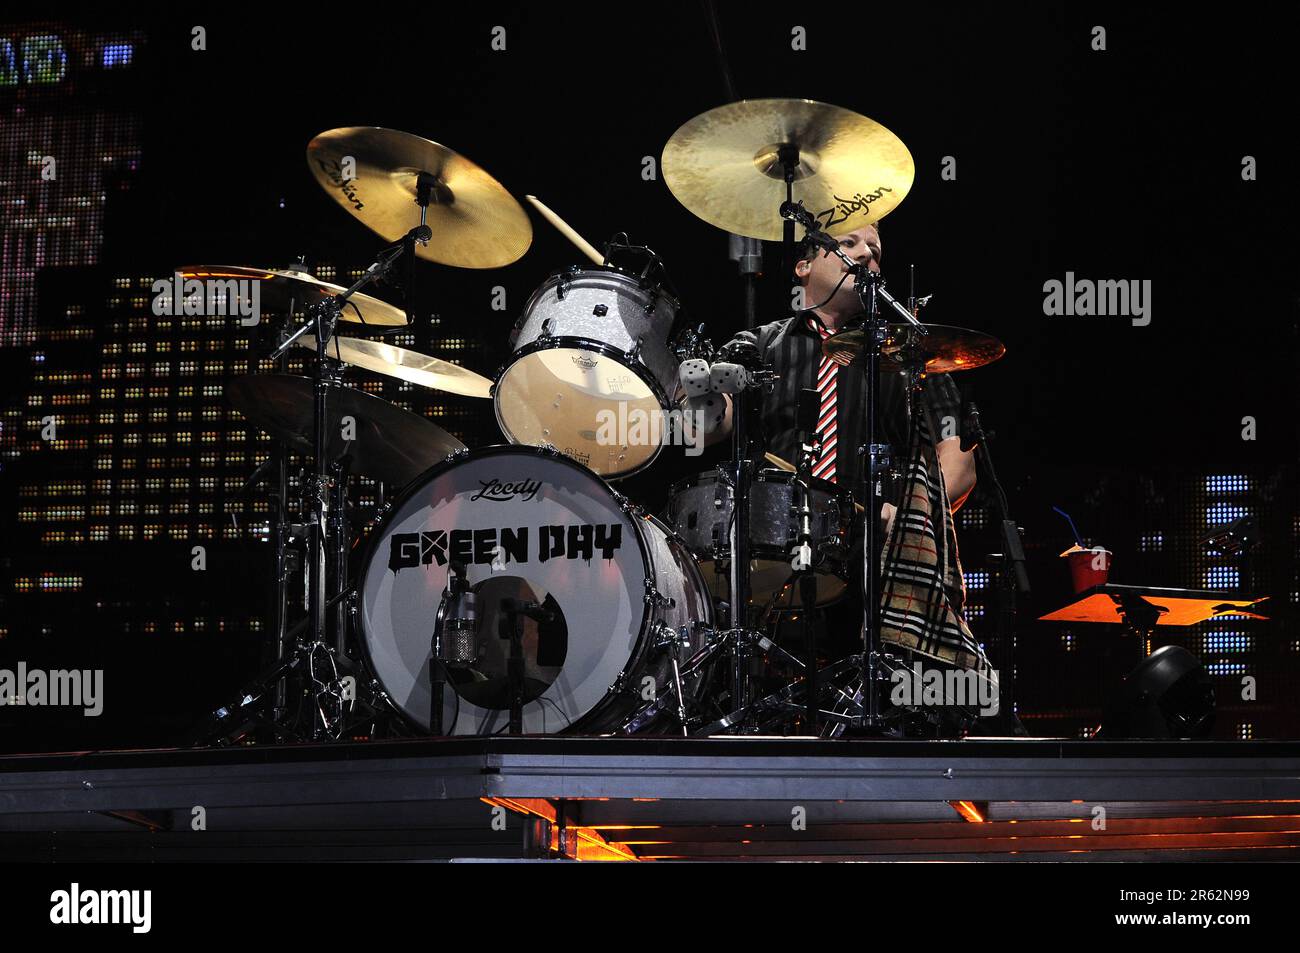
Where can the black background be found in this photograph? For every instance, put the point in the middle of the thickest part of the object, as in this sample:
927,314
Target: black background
1122,164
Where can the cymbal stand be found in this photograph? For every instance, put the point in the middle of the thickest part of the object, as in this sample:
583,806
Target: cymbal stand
801,562
322,318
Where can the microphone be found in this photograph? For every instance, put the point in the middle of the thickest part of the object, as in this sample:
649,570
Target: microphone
532,610
972,433
456,624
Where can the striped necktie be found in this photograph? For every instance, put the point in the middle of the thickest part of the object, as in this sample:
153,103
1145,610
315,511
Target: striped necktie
827,377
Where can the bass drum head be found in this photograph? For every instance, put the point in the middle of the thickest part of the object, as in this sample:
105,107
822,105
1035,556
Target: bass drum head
528,525
564,397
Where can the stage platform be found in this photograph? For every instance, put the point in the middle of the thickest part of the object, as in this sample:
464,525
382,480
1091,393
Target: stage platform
734,799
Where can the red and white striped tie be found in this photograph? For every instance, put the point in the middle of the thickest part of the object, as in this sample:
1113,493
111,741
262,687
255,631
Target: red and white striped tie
827,376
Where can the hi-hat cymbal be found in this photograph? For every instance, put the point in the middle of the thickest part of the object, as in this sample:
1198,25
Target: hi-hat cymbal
404,364
389,443
945,349
723,166
476,223
280,289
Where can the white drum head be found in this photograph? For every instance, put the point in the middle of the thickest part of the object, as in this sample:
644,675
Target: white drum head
586,405
500,510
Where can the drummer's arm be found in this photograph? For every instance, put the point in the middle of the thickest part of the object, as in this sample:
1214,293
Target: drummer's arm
724,428
958,468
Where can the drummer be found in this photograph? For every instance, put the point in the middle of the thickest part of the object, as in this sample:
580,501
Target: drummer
792,348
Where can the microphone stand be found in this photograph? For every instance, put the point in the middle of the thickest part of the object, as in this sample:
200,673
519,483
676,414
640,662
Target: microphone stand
509,627
1013,578
870,289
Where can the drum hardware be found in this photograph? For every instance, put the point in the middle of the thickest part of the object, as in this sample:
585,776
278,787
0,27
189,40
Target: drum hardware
801,562
738,633
510,629
322,317
673,641
789,701
231,720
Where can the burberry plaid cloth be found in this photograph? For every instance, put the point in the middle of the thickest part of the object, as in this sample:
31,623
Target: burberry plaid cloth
923,591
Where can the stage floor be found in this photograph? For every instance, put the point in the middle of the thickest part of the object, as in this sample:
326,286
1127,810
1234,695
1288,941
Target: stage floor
659,798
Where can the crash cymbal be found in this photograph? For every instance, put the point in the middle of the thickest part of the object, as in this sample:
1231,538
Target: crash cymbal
391,444
476,223
946,349
405,365
722,165
280,288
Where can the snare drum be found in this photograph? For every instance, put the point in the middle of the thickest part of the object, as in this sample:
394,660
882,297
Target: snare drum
699,511
592,370
529,525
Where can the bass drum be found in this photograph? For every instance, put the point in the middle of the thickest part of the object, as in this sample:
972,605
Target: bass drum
532,525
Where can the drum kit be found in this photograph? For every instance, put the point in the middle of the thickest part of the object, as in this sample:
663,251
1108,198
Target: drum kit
512,587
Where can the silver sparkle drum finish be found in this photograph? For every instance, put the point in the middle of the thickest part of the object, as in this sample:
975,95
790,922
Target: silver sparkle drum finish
529,524
699,511
592,345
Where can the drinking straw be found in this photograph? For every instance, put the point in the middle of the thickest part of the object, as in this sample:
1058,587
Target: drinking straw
1072,526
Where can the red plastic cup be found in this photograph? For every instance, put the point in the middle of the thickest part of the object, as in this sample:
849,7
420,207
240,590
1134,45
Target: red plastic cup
1089,567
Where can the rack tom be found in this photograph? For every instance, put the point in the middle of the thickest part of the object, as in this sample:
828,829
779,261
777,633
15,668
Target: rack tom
700,510
592,370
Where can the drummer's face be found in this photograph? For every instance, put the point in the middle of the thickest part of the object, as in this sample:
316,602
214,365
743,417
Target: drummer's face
821,273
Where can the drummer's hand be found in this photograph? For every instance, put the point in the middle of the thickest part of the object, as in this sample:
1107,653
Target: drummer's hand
887,511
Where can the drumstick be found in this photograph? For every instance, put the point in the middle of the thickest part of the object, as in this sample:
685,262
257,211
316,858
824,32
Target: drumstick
584,246
786,465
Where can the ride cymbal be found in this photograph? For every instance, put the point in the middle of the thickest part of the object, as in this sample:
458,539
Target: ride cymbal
724,166
404,364
476,223
945,349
